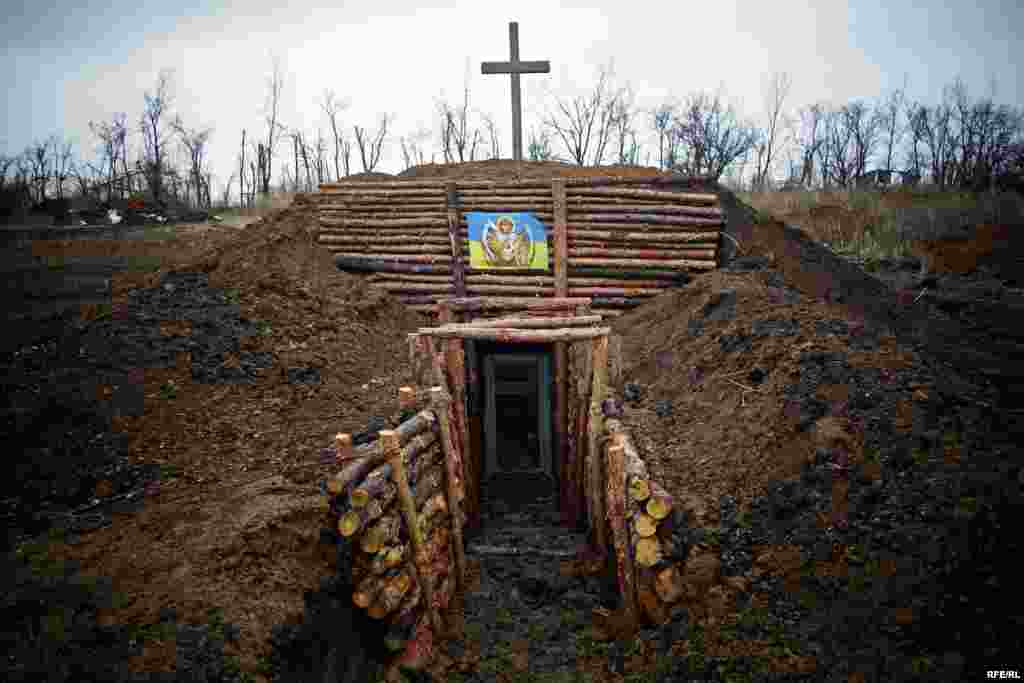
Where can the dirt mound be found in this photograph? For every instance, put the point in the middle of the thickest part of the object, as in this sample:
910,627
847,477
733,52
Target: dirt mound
507,168
774,368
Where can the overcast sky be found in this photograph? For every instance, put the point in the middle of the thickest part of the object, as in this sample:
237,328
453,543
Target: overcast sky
83,60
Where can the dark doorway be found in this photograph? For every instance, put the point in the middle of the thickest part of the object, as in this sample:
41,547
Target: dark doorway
517,413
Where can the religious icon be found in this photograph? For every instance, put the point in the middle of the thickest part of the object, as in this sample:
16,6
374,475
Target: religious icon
507,241
507,244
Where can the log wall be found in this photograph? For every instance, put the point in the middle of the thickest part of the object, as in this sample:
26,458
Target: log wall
650,542
394,514
617,240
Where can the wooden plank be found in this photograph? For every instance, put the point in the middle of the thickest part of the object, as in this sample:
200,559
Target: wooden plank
596,428
457,243
505,334
441,402
419,567
561,243
616,492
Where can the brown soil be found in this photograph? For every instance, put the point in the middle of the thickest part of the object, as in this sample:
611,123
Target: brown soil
238,529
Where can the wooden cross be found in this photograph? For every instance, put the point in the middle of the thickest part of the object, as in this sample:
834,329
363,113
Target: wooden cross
516,67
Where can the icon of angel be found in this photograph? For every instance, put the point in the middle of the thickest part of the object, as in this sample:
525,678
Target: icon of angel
506,244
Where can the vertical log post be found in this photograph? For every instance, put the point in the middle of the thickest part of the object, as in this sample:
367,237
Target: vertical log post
458,266
391,448
561,411
561,241
406,398
616,492
595,466
615,363
440,400
456,364
342,447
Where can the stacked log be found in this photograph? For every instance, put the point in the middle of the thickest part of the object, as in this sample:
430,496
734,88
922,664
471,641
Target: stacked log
388,512
654,528
618,225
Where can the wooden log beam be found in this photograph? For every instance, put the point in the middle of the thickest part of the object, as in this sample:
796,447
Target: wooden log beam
505,334
596,180
440,400
659,505
441,220
390,446
429,485
353,522
656,253
576,282
347,218
577,236
394,258
374,247
383,532
359,191
616,497
577,207
359,262
376,238
684,226
374,486
390,557
541,323
599,363
368,457
369,587
458,262
682,264
645,218
391,596
609,313
474,304
338,205
695,197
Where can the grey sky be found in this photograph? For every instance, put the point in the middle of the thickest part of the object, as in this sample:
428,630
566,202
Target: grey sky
67,65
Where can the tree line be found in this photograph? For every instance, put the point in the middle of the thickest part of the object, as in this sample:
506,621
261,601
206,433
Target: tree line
961,142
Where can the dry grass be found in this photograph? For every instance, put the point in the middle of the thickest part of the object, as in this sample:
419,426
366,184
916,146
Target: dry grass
876,224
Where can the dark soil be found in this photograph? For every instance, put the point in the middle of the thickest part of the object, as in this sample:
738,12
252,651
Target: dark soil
176,525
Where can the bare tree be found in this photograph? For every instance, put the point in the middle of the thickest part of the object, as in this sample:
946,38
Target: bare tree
154,136
627,148
838,160
888,112
810,140
370,148
412,148
459,139
241,174
492,136
333,107
194,142
265,150
662,118
225,197
539,148
711,136
64,159
862,125
777,91
584,124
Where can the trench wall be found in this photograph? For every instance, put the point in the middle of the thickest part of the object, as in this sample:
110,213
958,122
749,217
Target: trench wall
617,241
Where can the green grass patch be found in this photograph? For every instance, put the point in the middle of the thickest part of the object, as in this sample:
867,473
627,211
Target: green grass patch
263,328
143,264
168,390
232,296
